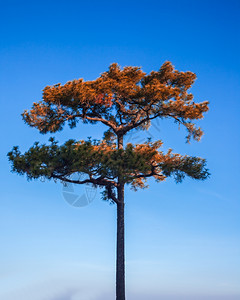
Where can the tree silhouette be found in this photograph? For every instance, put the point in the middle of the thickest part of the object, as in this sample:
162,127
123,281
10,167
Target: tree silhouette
123,100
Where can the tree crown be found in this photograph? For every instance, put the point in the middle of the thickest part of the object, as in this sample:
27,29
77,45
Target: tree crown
123,100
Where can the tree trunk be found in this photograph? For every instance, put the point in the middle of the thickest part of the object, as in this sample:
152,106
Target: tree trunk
120,267
120,262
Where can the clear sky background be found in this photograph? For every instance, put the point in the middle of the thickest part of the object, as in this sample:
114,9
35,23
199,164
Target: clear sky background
182,240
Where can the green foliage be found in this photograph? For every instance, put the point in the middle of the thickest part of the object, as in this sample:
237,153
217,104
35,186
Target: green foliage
104,163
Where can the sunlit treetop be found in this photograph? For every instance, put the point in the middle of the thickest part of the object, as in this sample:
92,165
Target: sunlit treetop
122,99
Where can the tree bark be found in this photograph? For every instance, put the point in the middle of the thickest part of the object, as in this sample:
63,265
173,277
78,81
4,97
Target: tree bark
120,267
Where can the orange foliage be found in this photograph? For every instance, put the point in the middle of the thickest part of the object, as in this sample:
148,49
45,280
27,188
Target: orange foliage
122,99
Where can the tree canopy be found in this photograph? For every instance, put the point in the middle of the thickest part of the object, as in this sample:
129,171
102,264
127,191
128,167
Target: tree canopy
123,100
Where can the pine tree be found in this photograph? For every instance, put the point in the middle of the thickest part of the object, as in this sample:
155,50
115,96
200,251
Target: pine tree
124,100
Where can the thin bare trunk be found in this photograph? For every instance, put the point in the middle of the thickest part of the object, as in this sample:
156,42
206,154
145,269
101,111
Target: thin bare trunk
120,270
120,262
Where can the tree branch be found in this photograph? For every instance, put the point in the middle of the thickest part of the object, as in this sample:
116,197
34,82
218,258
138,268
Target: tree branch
98,181
104,121
111,194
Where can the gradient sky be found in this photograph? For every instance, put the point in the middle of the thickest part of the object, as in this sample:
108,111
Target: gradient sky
182,239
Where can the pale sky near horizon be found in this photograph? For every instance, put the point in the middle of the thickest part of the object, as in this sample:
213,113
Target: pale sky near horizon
182,240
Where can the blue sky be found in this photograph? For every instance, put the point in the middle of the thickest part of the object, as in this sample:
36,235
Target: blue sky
182,240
